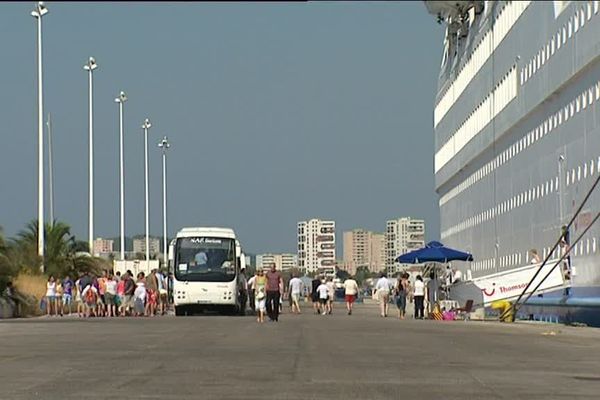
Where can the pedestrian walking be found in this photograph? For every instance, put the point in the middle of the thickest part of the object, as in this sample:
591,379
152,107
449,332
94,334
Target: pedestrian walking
139,295
331,296
314,296
151,289
260,283
90,299
274,289
402,288
163,293
110,293
67,297
243,291
350,293
252,293
130,287
295,289
58,298
323,291
419,296
382,289
50,295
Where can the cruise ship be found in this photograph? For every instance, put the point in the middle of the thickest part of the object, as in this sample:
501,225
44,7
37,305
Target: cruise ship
517,148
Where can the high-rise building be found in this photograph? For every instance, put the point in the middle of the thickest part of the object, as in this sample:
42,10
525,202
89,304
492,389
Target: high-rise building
401,236
283,262
364,248
316,246
139,245
102,246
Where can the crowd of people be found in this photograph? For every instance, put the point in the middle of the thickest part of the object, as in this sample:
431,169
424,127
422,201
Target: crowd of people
265,292
112,295
109,295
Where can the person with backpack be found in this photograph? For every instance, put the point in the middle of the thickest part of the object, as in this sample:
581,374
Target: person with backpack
90,299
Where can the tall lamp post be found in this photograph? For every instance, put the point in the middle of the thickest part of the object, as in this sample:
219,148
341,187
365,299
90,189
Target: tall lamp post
145,126
90,66
121,100
164,145
50,171
39,11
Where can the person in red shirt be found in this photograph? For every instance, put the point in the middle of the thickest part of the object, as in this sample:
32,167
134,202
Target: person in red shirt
274,289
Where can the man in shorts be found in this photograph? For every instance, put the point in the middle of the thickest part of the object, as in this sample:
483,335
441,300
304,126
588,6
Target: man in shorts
323,291
128,294
350,292
295,289
67,298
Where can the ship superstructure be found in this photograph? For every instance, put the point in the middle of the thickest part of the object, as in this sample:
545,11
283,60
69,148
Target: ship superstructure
517,142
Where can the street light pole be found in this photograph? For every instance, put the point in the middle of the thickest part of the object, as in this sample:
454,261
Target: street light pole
50,171
164,145
145,126
90,66
38,13
121,100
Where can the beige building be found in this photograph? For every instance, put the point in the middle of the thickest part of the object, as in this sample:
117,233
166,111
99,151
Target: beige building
102,246
401,236
283,262
316,246
139,245
364,248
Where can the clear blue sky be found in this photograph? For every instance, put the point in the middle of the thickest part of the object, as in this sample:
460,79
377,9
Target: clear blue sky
276,113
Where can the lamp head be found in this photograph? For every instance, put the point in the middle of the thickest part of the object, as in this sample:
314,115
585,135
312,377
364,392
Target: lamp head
122,97
40,10
91,64
164,143
146,124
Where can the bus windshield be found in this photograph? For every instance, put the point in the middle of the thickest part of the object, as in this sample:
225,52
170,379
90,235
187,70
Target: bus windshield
204,259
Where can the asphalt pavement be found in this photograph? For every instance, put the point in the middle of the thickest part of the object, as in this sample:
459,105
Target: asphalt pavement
337,356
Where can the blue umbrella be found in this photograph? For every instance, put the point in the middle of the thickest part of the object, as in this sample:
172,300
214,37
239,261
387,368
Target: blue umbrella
434,252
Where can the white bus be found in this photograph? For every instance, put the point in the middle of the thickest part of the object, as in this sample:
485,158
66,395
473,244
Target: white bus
206,266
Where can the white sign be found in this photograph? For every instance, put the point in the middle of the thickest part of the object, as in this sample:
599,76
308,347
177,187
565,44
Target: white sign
183,267
510,284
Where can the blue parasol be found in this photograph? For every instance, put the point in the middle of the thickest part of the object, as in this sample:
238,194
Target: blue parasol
434,252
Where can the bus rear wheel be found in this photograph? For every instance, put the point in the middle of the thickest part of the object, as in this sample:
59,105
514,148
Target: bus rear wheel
180,311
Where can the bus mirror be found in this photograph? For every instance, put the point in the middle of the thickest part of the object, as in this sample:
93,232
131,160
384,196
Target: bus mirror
171,253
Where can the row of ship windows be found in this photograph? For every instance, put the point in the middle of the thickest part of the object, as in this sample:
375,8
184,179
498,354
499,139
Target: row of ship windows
504,22
584,247
575,175
567,31
581,102
502,94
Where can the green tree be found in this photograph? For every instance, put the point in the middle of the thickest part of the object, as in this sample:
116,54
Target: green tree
60,251
362,274
7,269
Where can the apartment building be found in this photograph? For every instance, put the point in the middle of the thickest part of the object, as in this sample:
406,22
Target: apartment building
401,236
316,246
364,248
283,262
